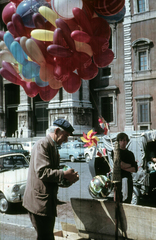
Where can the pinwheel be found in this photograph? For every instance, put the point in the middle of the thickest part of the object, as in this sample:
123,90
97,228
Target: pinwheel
90,139
104,125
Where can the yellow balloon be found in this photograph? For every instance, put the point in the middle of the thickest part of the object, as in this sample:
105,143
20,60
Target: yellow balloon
34,52
84,47
42,35
6,56
49,14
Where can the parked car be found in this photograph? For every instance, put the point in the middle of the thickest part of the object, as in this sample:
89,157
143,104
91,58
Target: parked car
13,176
28,146
88,152
72,151
13,147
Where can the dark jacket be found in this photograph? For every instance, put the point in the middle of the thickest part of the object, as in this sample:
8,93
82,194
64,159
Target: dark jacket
42,184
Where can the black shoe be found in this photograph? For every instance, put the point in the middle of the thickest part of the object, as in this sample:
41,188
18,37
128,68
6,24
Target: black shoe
60,202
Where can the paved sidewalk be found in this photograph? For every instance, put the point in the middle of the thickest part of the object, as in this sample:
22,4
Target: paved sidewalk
64,214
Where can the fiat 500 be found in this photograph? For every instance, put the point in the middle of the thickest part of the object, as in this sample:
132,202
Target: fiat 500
72,151
13,176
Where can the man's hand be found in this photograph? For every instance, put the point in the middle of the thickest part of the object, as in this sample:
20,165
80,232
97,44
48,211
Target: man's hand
71,175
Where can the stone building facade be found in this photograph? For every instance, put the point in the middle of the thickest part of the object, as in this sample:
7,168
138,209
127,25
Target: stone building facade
123,93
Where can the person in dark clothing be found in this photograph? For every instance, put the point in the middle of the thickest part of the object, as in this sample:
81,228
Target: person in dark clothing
128,166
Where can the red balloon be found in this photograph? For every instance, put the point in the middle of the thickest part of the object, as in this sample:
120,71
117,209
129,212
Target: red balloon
38,20
11,28
17,2
88,9
63,68
59,51
8,72
2,35
47,93
89,72
18,24
100,27
58,37
8,11
72,84
72,24
66,33
82,20
103,59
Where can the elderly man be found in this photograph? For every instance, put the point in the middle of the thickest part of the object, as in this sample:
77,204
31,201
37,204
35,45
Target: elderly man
40,197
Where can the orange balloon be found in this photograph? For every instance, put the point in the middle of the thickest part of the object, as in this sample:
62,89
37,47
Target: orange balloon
54,84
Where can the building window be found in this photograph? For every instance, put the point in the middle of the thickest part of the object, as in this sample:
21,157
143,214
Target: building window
106,72
141,5
143,112
107,108
142,49
142,61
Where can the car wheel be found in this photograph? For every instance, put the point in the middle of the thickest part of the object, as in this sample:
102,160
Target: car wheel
72,159
87,158
4,204
135,199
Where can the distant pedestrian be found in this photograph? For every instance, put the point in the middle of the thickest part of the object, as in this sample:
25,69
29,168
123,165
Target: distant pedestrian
21,133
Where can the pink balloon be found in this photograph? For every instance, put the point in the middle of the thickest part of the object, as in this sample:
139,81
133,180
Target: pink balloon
47,93
80,36
8,11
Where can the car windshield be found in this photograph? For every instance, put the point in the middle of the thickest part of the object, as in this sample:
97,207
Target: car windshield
16,146
14,161
79,145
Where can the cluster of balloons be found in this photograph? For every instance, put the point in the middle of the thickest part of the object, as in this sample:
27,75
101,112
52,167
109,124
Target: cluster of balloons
54,44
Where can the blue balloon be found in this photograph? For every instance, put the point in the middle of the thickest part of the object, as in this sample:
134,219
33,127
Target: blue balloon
18,53
114,18
8,39
29,69
27,8
40,83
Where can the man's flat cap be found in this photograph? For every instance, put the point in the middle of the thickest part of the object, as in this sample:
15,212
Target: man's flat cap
64,124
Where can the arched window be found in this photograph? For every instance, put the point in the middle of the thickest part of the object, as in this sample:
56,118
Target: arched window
142,48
